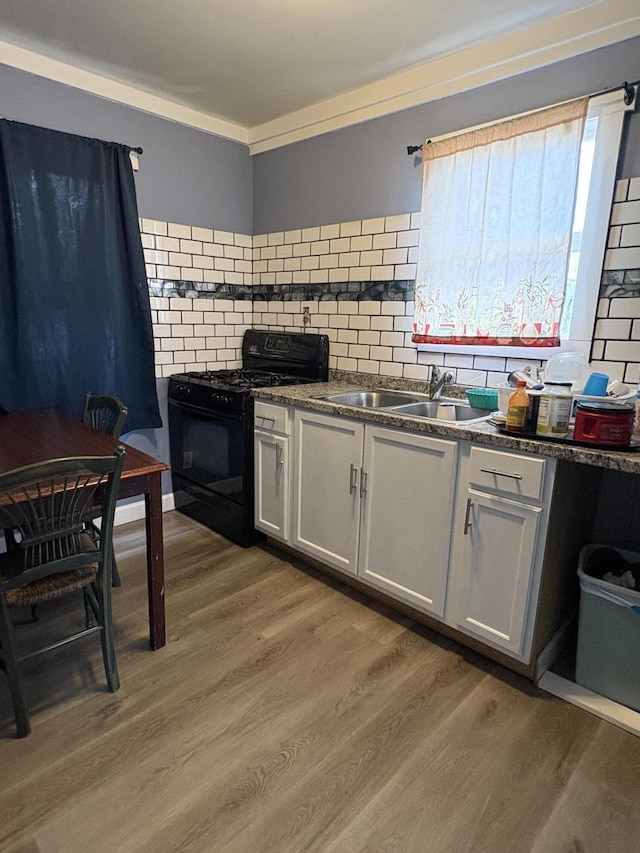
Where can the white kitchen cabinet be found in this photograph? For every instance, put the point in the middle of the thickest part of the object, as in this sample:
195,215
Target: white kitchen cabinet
407,511
376,502
271,467
326,488
501,519
483,539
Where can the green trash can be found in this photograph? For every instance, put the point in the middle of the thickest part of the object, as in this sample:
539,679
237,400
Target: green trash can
608,651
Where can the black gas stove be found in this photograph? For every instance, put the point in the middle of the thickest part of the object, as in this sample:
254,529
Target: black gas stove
211,426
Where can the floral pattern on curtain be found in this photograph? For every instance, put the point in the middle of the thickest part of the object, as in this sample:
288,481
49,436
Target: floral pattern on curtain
497,213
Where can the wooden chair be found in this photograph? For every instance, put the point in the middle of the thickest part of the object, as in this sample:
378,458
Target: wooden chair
105,413
47,504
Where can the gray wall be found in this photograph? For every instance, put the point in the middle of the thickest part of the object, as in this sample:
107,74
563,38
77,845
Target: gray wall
186,175
364,171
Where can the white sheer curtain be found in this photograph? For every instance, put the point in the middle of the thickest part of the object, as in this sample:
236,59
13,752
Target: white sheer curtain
497,211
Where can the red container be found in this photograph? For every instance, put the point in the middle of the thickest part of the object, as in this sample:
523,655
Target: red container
603,423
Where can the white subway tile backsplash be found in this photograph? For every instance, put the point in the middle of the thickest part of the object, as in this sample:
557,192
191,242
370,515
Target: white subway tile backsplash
338,274
405,271
405,355
621,259
371,259
357,321
408,238
174,229
154,226
630,235
320,247
309,235
225,237
382,273
622,351
382,324
394,256
373,226
619,329
191,246
351,229
349,259
621,190
385,241
168,244
368,335
392,339
397,223
388,368
624,212
329,232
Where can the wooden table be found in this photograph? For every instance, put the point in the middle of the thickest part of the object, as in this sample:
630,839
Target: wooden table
28,437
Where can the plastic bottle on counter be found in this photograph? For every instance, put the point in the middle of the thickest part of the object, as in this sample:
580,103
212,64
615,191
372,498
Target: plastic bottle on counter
554,412
518,408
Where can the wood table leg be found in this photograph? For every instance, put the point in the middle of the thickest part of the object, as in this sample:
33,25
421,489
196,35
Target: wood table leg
155,561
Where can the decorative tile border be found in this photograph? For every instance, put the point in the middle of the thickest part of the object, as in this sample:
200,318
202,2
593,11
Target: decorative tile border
620,283
388,291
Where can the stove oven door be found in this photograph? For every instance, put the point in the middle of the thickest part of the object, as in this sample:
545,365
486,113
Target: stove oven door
212,469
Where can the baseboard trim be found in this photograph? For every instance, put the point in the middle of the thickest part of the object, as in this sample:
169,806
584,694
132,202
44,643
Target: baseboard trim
596,704
135,510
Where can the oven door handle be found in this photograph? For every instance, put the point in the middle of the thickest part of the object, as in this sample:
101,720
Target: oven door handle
212,414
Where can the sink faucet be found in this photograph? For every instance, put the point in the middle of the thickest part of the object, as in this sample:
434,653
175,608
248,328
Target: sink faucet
437,381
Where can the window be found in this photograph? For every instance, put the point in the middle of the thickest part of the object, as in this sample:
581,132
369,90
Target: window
574,253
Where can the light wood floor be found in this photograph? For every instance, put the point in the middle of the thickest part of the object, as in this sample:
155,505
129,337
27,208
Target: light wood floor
287,714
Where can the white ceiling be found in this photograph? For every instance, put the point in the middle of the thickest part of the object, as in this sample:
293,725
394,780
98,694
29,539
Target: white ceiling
252,62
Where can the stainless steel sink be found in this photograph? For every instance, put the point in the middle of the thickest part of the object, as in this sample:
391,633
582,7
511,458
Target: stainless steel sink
379,399
429,409
408,403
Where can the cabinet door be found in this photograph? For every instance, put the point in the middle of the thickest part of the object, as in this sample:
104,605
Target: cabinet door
407,515
328,458
498,551
271,464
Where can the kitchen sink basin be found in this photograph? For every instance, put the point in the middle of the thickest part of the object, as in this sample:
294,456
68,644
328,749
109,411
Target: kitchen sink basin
461,412
407,403
380,399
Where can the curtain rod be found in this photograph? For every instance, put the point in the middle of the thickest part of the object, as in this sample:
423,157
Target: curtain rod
137,150
629,95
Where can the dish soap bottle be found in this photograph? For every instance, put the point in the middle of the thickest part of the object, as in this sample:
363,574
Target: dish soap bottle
518,408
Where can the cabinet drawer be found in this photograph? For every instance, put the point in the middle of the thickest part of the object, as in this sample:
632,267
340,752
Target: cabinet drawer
271,417
509,473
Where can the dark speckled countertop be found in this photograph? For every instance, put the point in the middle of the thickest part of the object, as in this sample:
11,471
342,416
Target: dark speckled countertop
306,397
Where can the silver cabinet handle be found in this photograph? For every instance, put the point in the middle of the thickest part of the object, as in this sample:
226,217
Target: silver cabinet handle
353,479
363,482
501,473
467,523
279,456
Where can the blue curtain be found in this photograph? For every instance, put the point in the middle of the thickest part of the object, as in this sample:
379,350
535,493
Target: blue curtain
74,301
